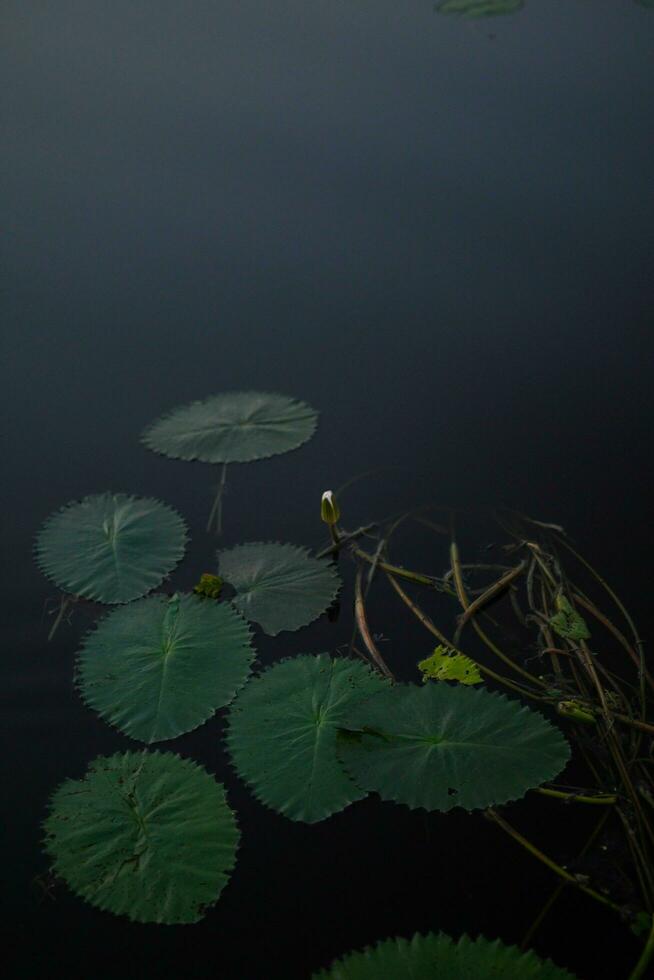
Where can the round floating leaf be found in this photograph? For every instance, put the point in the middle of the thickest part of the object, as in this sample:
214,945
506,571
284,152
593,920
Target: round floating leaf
146,835
160,667
431,956
439,747
111,547
279,586
479,8
234,427
282,734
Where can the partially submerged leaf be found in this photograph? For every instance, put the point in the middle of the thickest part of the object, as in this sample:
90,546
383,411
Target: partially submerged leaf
160,667
479,8
146,835
233,427
440,746
282,734
446,665
111,547
437,956
567,622
279,586
210,586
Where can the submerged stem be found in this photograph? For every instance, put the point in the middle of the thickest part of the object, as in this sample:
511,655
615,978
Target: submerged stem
645,957
216,514
548,862
66,601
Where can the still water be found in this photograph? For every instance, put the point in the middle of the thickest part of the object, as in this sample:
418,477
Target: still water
436,231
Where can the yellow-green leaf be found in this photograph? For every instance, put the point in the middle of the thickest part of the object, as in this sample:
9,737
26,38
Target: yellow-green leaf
446,665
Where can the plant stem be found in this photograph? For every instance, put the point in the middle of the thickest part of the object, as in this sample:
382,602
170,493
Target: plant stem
429,625
645,957
362,624
344,537
429,580
603,798
217,507
63,606
533,928
548,862
463,599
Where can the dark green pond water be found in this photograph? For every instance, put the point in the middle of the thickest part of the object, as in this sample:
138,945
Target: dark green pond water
436,231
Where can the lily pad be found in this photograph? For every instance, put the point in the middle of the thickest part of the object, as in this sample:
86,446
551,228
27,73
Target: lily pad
479,8
282,734
111,547
160,667
279,586
146,835
436,955
441,746
234,427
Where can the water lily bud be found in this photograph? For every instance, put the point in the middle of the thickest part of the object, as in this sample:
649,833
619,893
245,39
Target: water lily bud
329,509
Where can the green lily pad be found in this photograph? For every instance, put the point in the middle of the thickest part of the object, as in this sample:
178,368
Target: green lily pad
146,835
282,734
111,547
279,586
160,667
441,746
479,8
437,956
234,427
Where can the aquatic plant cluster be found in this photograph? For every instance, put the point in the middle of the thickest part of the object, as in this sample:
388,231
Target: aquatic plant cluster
150,835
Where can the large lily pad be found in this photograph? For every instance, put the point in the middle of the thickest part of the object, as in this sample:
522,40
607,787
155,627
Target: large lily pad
146,835
279,586
282,734
160,667
431,956
111,547
234,427
439,747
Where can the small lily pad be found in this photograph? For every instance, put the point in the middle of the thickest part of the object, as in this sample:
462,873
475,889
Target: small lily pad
233,427
446,665
279,586
473,9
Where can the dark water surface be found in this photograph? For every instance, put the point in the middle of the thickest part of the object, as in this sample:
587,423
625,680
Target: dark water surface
437,232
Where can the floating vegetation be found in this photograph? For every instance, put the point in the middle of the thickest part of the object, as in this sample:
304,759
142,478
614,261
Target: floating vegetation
283,728
278,586
567,622
439,747
479,8
150,835
160,667
209,586
446,665
436,955
146,835
111,547
233,427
